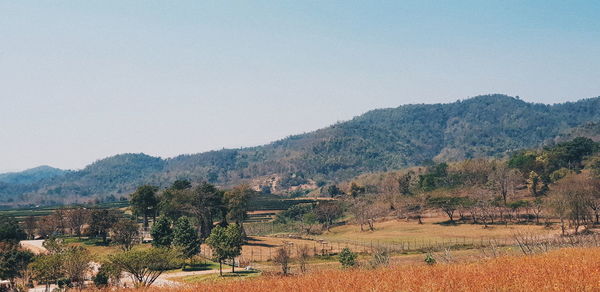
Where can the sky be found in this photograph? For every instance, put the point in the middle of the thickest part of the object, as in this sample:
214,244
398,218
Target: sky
83,80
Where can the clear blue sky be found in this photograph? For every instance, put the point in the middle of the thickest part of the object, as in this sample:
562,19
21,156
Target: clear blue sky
82,80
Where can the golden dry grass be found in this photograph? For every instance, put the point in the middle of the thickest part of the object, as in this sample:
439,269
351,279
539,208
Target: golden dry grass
431,230
561,270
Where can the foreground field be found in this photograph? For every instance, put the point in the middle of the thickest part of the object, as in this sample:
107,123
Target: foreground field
561,270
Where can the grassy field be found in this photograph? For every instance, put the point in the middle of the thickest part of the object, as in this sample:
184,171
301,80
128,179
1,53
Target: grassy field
560,270
215,277
433,230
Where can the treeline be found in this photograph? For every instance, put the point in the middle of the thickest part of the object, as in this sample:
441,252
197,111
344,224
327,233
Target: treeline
182,216
561,182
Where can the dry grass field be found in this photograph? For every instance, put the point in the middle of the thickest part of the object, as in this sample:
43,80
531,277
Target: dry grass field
431,230
560,270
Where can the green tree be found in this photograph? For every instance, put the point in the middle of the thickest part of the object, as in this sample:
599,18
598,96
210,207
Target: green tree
206,204
225,243
13,262
347,258
144,202
162,234
47,269
186,238
448,204
102,220
10,231
146,265
237,204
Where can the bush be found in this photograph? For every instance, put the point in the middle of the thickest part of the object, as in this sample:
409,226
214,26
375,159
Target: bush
430,260
381,257
347,258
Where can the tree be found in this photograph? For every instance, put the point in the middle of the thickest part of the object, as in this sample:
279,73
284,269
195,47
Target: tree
10,231
75,219
101,221
225,243
347,258
308,221
536,185
125,233
503,179
303,257
205,203
76,263
236,201
448,204
29,226
47,269
144,202
327,212
162,234
186,238
334,191
145,265
282,258
366,210
13,262
570,200
181,184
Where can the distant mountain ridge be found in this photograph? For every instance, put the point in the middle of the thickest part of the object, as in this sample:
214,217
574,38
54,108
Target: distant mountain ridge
379,140
32,175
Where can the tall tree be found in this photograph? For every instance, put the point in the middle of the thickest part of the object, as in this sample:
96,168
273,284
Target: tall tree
76,218
13,262
145,203
10,231
186,238
206,204
101,221
237,204
162,234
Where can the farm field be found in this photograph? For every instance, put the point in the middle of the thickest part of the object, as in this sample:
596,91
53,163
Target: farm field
559,270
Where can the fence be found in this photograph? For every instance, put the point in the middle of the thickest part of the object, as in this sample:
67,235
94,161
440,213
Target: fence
319,247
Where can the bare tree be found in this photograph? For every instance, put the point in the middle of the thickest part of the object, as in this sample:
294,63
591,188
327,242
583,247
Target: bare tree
303,257
503,180
282,258
75,219
571,198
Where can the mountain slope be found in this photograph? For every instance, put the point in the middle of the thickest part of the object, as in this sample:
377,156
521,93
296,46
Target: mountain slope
31,175
379,140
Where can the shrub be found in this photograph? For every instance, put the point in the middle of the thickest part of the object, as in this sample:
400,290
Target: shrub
347,258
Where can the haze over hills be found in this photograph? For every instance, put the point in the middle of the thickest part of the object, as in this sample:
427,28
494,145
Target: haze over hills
379,140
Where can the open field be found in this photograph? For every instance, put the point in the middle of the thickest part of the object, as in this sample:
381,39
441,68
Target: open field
560,270
432,230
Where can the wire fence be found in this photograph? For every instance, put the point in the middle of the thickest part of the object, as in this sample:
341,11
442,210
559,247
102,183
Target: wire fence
320,247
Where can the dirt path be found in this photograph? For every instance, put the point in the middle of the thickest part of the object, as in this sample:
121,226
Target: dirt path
35,246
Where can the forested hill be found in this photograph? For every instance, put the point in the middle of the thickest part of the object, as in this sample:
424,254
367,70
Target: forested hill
379,140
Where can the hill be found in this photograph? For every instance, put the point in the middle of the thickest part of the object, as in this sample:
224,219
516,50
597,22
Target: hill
379,140
31,175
